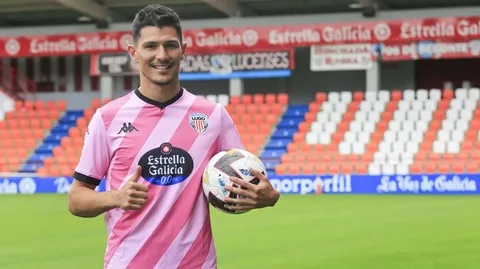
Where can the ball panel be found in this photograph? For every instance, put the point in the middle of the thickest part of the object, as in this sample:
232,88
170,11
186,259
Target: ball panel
221,167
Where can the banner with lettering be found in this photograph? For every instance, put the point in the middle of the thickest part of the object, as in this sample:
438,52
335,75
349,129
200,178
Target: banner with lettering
341,57
427,50
201,67
448,184
366,184
220,40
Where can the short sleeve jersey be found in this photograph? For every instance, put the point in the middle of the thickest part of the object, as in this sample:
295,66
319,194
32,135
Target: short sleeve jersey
173,143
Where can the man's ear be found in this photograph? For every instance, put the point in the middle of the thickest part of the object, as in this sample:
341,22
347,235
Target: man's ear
132,51
184,50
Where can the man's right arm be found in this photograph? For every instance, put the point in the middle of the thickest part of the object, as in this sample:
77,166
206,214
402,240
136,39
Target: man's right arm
83,200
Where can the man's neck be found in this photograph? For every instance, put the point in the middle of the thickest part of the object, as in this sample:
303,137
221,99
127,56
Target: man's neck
157,93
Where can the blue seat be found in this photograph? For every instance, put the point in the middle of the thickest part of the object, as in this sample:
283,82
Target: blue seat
282,133
272,154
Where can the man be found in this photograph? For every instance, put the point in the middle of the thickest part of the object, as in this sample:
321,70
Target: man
152,159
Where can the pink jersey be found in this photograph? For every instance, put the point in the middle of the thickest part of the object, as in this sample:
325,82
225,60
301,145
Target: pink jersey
172,142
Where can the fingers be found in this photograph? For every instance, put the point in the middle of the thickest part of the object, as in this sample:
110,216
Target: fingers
258,174
243,183
139,187
240,202
136,175
241,192
241,207
139,194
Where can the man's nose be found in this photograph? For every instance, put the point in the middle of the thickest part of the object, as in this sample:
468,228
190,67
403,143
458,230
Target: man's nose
162,53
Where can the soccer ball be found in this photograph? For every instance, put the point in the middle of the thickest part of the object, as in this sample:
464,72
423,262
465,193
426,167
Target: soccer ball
236,163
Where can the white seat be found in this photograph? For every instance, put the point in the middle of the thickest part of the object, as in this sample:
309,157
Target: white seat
470,104
361,116
373,116
384,147
340,107
461,93
327,106
390,136
404,105
368,126
358,148
355,126
223,99
408,126
422,94
333,97
379,106
413,115
453,146
371,95
330,127
400,115
384,95
421,126
417,105
335,117
458,136
324,139
365,106
403,136
452,115
474,94
379,157
350,137
322,117
430,105
346,96
435,94
374,169
456,104
311,138
426,116
398,147
402,169
439,147
406,158
448,125
443,135
344,148
388,169
395,125
363,138
409,94
461,126
316,127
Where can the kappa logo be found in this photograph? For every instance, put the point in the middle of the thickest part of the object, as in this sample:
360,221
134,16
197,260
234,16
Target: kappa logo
199,122
127,128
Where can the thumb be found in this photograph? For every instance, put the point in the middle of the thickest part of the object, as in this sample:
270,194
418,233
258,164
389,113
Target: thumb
136,175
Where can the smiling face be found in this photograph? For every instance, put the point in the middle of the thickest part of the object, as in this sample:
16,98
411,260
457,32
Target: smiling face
158,52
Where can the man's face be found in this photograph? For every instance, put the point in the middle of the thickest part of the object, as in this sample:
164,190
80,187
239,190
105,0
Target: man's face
158,53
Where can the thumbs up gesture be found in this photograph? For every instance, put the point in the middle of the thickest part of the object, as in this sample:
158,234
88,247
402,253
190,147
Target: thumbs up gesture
133,195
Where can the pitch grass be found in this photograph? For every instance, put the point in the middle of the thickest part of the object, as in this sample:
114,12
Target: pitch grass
302,232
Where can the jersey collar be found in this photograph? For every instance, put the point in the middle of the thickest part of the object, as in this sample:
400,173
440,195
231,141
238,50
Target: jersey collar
161,105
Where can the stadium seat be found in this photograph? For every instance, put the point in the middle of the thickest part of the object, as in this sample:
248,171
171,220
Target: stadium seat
386,133
23,127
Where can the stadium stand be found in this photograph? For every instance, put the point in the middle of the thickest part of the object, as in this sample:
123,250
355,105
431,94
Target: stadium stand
385,132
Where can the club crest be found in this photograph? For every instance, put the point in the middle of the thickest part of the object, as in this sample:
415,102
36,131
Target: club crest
199,122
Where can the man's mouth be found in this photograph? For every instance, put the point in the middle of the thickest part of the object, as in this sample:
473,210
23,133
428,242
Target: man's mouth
161,66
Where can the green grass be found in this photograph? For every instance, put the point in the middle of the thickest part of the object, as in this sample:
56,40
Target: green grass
302,232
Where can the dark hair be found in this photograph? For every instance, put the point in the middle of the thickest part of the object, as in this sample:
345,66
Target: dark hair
156,15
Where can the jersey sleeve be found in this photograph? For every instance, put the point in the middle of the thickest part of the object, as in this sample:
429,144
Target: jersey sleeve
229,137
95,157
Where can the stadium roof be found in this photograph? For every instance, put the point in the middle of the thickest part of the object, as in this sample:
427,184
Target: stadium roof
61,12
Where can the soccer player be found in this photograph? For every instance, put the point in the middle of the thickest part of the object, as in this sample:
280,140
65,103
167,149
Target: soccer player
151,146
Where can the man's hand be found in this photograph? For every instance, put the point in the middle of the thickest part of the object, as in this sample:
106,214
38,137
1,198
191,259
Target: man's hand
256,196
133,195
